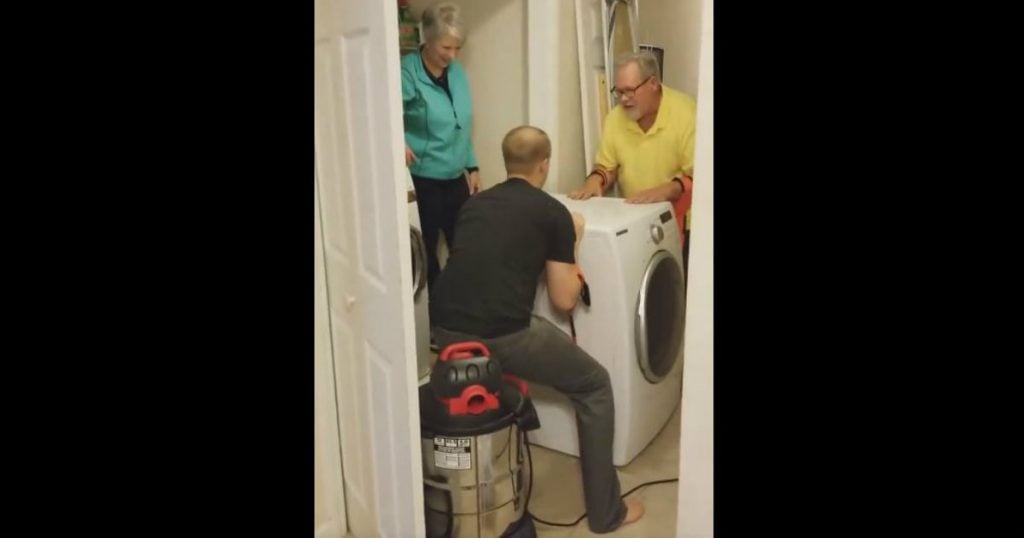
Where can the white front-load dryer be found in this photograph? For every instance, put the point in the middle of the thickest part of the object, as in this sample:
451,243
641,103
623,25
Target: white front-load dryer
631,257
424,358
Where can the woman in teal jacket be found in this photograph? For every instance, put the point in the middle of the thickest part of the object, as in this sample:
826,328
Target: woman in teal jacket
438,123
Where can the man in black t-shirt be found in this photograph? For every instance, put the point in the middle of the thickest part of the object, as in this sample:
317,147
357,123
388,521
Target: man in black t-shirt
505,237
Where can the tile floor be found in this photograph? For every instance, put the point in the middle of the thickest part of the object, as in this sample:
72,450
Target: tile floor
558,490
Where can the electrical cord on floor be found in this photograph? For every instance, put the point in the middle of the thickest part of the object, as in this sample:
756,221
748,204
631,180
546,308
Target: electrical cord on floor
529,491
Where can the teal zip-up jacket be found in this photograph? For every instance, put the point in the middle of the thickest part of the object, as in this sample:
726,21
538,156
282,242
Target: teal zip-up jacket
437,129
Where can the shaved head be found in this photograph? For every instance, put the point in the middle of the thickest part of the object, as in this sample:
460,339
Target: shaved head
524,148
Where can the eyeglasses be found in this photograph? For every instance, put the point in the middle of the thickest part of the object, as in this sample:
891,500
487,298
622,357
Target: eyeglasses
619,93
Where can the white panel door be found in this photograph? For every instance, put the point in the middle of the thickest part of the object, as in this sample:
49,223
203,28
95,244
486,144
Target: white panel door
695,512
366,247
328,488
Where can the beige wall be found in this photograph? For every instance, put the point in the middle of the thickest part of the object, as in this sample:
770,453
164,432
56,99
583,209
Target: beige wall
570,161
495,59
675,26
494,56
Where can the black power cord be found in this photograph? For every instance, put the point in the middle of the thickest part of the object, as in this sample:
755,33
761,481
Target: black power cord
529,491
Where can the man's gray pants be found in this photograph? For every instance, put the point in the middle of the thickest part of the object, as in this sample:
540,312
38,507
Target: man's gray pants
543,354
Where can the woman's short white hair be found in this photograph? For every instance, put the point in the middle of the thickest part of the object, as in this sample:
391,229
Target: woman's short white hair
440,20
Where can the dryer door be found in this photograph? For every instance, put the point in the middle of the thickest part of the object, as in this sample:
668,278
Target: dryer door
419,262
660,317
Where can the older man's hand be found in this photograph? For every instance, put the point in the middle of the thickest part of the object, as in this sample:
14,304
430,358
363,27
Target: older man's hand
591,188
661,193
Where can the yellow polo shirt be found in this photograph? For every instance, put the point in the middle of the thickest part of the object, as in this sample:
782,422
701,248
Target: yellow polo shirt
646,160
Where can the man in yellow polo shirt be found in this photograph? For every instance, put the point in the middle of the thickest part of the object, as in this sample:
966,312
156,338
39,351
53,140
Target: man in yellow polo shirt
647,143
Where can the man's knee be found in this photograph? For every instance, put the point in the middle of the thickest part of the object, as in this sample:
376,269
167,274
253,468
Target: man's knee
597,380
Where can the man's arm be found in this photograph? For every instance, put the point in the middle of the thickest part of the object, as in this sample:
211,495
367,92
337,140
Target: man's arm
563,279
606,163
564,284
597,183
670,191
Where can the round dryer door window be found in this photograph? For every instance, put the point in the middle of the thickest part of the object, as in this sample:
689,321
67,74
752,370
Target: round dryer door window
419,262
660,317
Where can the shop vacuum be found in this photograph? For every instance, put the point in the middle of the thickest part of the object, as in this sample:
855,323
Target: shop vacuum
476,467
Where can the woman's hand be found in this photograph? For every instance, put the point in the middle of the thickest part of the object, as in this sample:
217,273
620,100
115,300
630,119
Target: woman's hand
409,156
474,182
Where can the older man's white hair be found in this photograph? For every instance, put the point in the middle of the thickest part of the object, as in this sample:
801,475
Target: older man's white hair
644,59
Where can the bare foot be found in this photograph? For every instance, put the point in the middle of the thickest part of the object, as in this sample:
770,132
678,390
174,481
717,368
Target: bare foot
634,511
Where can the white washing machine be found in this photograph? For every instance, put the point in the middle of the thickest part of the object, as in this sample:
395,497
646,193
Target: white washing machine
632,259
424,358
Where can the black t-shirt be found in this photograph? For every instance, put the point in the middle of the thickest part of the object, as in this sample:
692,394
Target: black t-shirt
503,236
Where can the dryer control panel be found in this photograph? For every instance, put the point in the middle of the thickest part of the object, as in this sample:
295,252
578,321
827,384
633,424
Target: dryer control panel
657,233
